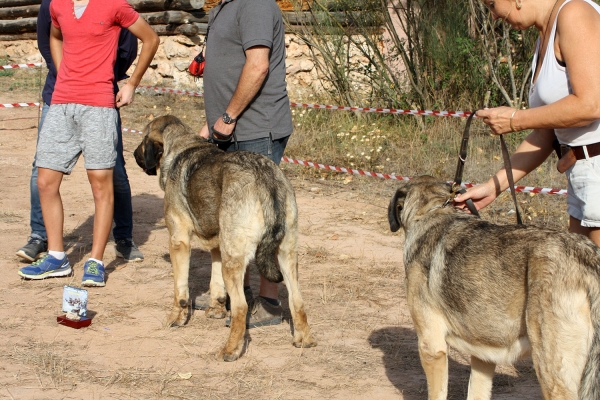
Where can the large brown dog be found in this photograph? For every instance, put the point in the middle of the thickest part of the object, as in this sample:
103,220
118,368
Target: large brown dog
241,206
498,293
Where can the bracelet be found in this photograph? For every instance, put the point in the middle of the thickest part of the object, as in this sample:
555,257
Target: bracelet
512,128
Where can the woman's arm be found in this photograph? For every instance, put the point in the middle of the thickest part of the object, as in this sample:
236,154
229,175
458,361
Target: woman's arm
578,45
530,154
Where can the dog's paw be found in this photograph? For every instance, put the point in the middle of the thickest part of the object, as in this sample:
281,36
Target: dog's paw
227,357
216,312
305,342
178,317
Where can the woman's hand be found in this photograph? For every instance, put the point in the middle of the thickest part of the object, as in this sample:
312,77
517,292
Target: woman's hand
500,119
481,195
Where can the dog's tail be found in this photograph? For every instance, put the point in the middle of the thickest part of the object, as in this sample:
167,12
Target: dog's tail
589,388
275,226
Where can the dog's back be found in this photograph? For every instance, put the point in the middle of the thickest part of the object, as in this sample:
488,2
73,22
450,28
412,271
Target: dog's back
499,292
252,184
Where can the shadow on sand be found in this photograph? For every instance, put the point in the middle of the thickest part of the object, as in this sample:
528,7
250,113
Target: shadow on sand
400,357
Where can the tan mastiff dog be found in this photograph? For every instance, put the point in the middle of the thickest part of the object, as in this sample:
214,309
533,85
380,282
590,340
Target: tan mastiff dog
241,206
498,293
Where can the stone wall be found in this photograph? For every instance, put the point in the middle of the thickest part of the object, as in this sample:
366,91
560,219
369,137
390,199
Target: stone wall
169,67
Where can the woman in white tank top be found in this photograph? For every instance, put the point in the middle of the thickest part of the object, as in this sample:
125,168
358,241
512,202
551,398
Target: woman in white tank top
564,100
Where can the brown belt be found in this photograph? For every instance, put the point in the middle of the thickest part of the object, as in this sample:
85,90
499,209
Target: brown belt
592,149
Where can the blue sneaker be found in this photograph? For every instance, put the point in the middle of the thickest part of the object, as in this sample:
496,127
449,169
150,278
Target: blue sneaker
46,267
93,274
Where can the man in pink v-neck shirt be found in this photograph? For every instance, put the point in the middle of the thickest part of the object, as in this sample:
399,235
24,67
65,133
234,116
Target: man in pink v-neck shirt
82,119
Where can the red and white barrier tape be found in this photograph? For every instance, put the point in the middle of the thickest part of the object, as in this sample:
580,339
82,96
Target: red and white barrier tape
341,169
15,66
435,113
132,131
13,105
386,110
521,189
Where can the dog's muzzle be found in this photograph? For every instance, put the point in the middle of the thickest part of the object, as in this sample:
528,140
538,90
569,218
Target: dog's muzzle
150,171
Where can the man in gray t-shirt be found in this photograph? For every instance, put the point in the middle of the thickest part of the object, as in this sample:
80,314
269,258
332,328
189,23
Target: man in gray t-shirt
245,91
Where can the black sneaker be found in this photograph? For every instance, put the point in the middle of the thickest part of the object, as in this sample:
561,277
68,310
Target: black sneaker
34,249
261,313
126,249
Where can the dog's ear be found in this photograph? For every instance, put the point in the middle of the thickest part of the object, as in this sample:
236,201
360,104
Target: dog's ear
152,155
395,208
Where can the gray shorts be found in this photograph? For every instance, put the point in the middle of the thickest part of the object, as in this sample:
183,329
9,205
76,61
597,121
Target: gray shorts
583,200
72,129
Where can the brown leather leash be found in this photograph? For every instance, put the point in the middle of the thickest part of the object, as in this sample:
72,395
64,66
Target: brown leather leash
462,158
509,175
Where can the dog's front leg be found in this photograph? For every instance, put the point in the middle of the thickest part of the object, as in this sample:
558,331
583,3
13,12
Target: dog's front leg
218,295
233,275
480,382
179,249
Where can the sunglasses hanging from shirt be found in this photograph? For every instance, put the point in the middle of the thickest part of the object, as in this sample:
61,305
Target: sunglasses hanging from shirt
196,68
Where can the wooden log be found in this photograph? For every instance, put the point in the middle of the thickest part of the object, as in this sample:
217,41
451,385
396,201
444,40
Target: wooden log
186,5
18,3
169,18
200,16
163,5
155,18
148,5
18,25
169,30
19,12
174,17
202,27
18,36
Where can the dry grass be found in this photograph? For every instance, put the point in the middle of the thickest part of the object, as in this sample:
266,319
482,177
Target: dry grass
357,304
10,216
394,144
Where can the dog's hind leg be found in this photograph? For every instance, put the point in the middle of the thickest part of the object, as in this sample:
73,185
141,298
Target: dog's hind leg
480,382
179,249
560,330
218,295
287,257
233,276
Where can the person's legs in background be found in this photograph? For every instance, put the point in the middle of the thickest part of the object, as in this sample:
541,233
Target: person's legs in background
37,244
123,213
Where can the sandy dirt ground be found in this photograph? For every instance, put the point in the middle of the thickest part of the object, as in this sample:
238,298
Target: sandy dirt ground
351,275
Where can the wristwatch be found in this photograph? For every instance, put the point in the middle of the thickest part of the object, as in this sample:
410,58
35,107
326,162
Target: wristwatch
227,119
